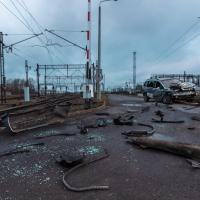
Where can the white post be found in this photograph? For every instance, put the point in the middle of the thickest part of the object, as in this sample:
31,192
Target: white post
26,94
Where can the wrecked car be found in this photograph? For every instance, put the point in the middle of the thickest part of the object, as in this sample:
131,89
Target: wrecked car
167,90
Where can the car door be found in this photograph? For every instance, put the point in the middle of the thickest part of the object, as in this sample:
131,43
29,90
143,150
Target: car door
158,88
150,88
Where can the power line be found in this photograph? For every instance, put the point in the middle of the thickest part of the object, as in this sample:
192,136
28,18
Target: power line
27,10
27,26
14,15
76,45
25,54
176,49
176,40
40,27
21,15
36,35
24,6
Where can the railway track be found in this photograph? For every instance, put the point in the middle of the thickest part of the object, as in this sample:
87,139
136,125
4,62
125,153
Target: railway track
42,113
48,101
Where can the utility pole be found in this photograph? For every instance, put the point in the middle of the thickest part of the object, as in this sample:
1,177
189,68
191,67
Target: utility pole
45,80
2,67
99,69
93,77
104,82
38,80
26,70
2,70
134,71
26,88
98,81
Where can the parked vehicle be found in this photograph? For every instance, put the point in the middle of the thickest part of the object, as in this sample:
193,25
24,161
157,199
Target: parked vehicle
167,90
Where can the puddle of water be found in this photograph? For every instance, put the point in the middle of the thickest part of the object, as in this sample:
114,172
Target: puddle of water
131,104
162,137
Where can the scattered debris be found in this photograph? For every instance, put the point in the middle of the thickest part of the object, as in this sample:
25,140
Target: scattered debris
40,114
8,153
195,118
145,109
161,120
83,130
168,121
55,135
159,114
25,148
29,145
103,113
96,137
132,111
90,150
189,108
194,163
171,108
70,159
125,119
140,133
62,111
100,122
191,128
183,149
83,189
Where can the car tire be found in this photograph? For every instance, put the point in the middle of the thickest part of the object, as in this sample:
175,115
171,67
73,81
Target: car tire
146,98
167,99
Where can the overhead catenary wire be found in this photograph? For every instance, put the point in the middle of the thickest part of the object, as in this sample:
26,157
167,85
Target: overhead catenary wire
76,45
179,47
25,7
24,54
36,35
70,31
3,4
16,34
27,26
20,13
173,44
32,30
40,27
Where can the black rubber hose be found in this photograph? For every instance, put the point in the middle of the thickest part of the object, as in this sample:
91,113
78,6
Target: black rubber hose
83,189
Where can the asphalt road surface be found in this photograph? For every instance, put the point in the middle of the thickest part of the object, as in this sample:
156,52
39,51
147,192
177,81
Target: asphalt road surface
130,172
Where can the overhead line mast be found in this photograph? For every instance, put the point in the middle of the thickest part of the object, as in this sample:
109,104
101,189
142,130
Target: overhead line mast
88,71
2,67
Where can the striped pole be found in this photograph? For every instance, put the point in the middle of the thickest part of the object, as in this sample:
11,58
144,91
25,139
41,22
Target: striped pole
89,42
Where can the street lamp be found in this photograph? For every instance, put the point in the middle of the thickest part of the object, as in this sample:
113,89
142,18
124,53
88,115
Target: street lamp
99,51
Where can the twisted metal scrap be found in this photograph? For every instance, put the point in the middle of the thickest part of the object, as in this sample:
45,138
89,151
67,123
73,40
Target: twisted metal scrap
140,133
83,189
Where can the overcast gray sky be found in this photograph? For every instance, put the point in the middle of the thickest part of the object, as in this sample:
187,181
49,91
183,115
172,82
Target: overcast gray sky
149,27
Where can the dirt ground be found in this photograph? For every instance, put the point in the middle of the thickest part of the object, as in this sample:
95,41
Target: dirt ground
131,173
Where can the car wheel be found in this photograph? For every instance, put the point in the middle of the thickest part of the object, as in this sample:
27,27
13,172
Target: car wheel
146,98
167,99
